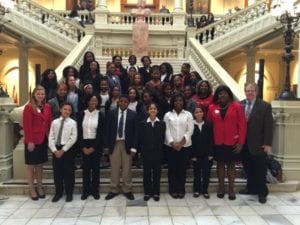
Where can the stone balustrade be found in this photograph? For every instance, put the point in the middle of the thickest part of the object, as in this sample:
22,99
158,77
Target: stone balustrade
153,52
203,62
156,19
229,23
87,17
50,19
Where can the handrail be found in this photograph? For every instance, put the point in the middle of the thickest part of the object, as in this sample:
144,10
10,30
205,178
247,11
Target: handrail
201,60
228,22
48,17
75,56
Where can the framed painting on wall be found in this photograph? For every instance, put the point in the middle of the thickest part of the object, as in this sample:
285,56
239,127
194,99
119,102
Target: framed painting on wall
80,4
199,6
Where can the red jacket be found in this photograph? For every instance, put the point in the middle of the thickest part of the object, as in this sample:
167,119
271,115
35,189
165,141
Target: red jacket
232,129
36,125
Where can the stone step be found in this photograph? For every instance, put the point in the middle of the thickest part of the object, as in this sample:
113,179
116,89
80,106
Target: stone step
16,186
105,173
20,187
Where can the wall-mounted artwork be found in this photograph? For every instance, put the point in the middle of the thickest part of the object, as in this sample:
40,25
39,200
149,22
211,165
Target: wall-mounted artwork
199,6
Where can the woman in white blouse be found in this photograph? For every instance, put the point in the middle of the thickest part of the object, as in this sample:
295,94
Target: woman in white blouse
90,139
179,129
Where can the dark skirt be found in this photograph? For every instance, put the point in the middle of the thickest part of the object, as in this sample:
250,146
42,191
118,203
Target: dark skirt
38,155
225,153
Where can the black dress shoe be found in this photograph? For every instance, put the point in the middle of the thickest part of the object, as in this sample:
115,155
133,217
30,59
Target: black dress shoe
69,198
146,197
245,192
84,196
262,199
196,194
206,195
231,196
40,195
56,197
110,195
180,195
221,195
156,198
96,196
35,198
129,195
174,195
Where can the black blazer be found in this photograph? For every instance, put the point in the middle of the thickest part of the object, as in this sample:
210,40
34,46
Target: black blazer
100,136
151,139
145,74
202,141
259,126
112,127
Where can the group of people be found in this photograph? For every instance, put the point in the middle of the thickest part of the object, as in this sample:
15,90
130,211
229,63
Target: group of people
145,112
204,21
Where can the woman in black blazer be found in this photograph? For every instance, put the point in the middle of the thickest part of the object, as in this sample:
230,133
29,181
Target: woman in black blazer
202,152
90,138
151,136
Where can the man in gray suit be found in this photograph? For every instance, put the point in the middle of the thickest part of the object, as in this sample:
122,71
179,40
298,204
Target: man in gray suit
258,142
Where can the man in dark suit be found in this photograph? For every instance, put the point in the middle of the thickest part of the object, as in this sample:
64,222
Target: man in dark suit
258,142
121,143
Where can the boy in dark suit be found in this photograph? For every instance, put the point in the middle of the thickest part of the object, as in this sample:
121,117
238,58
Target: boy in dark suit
121,144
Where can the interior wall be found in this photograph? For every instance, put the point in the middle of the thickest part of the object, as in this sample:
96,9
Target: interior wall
9,69
236,66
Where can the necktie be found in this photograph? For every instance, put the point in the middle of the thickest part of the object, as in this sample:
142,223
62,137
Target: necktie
121,125
248,110
59,136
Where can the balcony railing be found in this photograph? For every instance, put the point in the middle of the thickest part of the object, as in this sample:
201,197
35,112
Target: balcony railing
50,19
229,23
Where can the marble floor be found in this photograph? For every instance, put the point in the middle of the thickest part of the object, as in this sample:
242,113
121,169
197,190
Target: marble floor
281,209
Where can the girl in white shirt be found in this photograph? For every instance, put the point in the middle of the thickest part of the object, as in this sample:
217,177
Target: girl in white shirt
179,129
90,139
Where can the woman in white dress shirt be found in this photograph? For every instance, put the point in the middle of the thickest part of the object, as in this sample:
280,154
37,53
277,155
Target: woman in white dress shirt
90,139
179,129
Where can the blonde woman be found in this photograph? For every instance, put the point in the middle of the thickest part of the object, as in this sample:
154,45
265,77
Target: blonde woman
37,118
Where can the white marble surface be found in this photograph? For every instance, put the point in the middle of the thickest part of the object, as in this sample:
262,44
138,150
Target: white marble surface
280,209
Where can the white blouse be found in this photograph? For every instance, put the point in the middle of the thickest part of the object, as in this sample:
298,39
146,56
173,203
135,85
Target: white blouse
90,124
179,126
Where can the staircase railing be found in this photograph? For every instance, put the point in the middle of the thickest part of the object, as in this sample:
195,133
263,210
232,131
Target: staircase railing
43,26
75,57
229,23
201,60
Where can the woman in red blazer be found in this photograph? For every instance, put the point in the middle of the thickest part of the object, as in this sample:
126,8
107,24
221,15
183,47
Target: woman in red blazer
37,118
229,127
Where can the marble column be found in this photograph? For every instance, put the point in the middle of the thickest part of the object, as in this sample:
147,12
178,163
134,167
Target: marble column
251,50
23,71
101,15
6,138
286,137
101,4
298,72
178,6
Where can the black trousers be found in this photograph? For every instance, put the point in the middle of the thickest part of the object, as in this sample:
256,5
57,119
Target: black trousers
90,169
177,162
91,172
64,175
151,175
201,174
255,167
